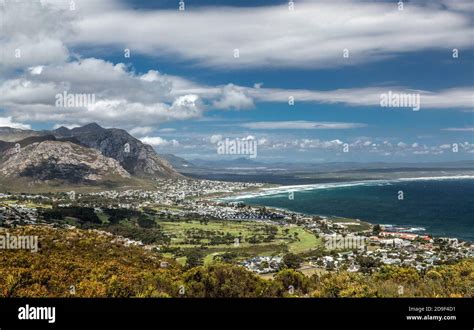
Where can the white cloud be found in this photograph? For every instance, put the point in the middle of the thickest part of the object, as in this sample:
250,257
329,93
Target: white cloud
121,97
141,130
273,36
167,130
7,122
267,36
186,106
300,124
32,34
402,145
215,138
456,98
36,69
233,97
319,144
459,129
127,99
157,141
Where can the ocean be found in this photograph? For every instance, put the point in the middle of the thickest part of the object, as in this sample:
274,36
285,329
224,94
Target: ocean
436,206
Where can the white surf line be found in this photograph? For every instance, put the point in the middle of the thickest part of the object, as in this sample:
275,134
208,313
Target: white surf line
316,186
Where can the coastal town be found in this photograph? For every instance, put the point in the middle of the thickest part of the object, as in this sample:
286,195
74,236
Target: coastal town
346,244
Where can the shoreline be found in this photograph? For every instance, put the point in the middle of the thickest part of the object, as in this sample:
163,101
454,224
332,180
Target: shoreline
281,189
286,189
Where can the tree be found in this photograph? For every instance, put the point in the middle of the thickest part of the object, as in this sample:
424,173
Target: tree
291,282
194,259
367,264
226,257
223,281
376,230
292,261
145,222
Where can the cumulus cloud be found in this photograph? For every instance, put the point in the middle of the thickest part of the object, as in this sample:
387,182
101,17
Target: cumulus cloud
215,138
127,99
7,122
402,145
233,97
121,97
141,130
43,31
186,106
157,141
33,34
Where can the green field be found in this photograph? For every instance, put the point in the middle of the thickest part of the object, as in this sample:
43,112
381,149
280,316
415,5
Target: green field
287,239
180,237
354,225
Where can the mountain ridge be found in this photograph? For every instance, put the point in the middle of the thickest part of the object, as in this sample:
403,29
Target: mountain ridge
87,155
136,157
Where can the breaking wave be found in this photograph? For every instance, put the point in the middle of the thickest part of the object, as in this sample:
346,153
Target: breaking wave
309,187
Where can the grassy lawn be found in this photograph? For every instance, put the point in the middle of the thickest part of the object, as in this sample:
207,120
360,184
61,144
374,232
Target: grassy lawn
287,239
307,241
232,227
354,226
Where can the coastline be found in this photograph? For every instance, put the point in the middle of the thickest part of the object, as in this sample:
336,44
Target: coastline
281,189
286,189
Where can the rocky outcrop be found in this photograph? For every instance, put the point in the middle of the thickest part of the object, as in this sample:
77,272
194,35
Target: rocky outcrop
136,157
59,160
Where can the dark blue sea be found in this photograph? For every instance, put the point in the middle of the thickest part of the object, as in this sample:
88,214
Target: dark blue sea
438,207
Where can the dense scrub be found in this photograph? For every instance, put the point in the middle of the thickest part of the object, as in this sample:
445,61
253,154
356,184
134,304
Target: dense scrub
87,263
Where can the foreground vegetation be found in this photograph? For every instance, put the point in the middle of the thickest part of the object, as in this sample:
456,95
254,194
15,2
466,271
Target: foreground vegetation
88,263
181,237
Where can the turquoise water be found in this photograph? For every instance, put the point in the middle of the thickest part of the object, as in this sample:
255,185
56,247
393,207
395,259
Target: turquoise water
441,207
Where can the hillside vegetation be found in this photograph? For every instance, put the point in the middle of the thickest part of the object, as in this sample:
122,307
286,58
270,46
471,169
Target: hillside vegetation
88,263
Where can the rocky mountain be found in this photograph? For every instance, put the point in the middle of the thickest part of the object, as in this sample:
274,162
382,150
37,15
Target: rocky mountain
59,161
136,157
8,134
84,155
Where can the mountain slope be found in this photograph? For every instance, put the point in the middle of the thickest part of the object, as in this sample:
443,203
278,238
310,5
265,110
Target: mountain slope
59,161
9,134
136,157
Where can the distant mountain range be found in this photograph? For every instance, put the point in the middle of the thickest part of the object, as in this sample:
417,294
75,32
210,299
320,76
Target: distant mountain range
95,156
243,164
250,170
88,155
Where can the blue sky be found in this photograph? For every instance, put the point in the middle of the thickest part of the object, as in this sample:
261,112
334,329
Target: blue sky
182,89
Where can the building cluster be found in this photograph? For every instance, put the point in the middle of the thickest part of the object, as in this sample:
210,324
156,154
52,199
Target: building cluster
12,214
353,247
263,265
387,247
